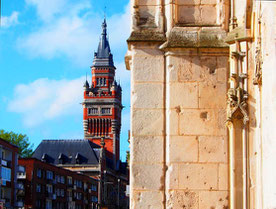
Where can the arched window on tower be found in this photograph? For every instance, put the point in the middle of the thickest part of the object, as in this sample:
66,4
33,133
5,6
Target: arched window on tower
97,82
104,81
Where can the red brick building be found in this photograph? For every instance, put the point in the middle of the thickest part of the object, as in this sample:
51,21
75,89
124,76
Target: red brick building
48,186
8,156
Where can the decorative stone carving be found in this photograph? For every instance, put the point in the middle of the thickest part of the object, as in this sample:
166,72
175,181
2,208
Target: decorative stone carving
236,100
258,64
237,95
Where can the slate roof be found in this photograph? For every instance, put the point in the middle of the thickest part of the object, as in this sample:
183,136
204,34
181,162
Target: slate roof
103,57
68,152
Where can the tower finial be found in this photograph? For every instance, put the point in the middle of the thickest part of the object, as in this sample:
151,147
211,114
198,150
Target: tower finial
104,28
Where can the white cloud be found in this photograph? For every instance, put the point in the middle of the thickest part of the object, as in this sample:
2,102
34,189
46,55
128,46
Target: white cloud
11,20
46,9
74,33
46,99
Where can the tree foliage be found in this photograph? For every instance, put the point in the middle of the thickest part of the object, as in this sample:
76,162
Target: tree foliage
25,148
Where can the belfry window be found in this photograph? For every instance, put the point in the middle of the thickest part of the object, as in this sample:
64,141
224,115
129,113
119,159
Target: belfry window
105,110
104,81
92,111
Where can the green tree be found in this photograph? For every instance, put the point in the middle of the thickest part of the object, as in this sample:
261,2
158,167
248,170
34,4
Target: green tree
25,148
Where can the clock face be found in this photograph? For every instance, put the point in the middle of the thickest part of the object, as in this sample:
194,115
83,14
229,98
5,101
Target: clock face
90,93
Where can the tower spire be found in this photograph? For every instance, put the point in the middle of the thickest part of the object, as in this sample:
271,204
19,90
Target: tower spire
104,28
103,56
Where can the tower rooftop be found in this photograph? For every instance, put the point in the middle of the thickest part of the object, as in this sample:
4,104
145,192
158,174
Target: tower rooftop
103,56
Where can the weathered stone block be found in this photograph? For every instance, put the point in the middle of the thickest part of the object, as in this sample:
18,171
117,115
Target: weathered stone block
147,2
213,199
188,70
183,149
188,2
212,149
147,177
147,16
184,95
188,14
173,122
148,68
208,14
223,176
147,95
202,122
178,37
152,145
147,11
212,95
147,122
172,71
147,199
147,51
209,2
212,39
198,176
182,199
208,69
172,177
222,69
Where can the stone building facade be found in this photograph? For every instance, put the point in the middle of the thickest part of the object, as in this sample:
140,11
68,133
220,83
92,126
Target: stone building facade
202,107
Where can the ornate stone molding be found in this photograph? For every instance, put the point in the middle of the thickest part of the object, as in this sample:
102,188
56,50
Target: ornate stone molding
236,100
257,80
237,95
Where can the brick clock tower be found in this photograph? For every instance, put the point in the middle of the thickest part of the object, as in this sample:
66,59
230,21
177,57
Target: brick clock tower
102,105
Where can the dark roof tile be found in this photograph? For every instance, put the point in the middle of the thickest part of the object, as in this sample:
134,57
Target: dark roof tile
69,151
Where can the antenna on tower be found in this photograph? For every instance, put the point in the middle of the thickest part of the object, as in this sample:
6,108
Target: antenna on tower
86,76
104,11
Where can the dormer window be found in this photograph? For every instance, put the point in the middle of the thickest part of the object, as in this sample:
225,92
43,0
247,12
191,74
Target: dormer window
44,158
61,158
78,158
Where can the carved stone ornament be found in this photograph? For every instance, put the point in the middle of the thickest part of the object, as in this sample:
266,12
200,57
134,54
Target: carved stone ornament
236,101
257,80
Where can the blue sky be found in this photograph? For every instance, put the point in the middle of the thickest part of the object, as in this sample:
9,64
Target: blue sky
46,49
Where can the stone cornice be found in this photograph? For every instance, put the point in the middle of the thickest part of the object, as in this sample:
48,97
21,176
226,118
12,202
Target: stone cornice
146,36
238,34
180,37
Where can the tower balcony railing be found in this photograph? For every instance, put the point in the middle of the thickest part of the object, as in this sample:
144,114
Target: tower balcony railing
98,95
